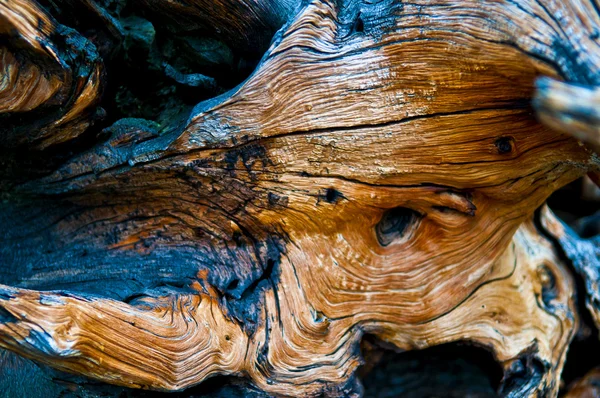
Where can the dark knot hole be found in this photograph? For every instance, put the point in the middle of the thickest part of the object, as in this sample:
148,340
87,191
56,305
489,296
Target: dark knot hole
395,223
359,25
504,145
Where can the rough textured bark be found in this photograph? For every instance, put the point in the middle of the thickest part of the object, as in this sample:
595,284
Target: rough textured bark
377,174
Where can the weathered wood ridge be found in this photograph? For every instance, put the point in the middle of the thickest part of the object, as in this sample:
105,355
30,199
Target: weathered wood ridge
377,174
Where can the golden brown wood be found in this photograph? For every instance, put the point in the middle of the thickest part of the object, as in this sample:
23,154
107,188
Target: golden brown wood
377,174
36,74
523,312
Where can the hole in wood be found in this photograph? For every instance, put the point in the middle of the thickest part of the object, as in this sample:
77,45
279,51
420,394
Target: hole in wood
359,26
449,370
233,285
395,223
332,195
577,205
237,237
523,374
504,145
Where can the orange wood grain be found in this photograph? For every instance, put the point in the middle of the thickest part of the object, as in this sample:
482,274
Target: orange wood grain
428,112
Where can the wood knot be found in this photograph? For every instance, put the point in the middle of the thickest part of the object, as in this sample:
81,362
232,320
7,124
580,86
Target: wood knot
395,223
332,195
504,145
359,25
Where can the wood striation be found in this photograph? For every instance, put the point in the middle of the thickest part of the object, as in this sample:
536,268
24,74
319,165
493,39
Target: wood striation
172,342
377,174
48,69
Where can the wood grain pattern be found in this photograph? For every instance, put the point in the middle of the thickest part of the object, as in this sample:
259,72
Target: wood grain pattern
46,65
377,174
523,312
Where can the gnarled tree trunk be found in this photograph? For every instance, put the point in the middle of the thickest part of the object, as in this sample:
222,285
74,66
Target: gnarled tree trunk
380,174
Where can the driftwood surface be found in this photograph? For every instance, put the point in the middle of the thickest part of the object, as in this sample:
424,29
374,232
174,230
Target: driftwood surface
380,174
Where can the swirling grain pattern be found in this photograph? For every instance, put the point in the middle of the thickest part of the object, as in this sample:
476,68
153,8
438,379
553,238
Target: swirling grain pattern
377,174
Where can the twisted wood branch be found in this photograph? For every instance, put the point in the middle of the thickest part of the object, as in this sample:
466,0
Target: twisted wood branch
376,174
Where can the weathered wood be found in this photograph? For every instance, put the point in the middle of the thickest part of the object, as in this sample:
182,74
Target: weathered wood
572,109
172,342
583,253
45,66
377,174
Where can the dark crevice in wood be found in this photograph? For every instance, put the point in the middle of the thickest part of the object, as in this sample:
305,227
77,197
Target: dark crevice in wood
585,348
359,25
504,145
233,285
395,223
579,213
6,317
332,195
452,370
523,377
